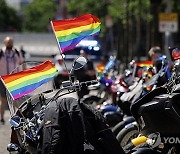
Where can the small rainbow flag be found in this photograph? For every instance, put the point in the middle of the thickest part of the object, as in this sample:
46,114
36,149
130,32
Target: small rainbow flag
26,81
70,32
145,64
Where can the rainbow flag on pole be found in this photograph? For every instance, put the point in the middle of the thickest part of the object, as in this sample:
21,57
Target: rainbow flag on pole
25,82
70,32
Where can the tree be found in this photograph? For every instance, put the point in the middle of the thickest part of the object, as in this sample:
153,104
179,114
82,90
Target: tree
135,22
95,7
123,17
133,16
176,8
37,15
9,20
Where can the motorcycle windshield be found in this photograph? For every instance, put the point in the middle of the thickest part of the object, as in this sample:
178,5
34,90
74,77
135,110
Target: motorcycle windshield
14,104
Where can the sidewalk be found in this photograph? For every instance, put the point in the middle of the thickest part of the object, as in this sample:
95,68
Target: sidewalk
5,134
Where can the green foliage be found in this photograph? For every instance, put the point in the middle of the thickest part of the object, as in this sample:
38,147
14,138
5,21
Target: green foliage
95,7
118,9
139,33
9,20
115,8
37,15
176,6
86,6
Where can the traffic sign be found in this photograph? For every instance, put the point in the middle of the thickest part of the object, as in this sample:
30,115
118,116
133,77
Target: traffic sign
168,22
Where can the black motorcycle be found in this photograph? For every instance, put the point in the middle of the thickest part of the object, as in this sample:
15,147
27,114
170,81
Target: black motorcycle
128,128
27,112
158,117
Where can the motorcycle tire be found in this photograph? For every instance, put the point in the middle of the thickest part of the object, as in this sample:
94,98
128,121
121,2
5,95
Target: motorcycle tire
127,134
112,118
118,127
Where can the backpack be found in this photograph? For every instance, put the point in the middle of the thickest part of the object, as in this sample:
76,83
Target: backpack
16,52
72,127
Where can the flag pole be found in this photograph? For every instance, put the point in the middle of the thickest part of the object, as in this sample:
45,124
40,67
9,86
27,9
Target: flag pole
59,47
12,110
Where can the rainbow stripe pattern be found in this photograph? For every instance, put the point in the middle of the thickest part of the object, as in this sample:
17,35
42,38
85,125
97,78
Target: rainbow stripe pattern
24,82
70,32
145,64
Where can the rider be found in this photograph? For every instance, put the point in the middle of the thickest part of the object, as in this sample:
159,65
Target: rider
155,54
159,60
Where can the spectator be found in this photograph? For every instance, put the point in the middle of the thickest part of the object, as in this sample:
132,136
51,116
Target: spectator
10,58
58,60
86,73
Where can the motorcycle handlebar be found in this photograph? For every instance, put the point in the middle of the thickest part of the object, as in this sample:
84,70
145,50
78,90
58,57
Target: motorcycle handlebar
77,85
74,86
67,85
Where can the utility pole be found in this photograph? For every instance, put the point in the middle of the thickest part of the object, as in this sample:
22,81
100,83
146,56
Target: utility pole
167,33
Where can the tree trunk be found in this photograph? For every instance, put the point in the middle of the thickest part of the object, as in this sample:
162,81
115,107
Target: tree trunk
138,32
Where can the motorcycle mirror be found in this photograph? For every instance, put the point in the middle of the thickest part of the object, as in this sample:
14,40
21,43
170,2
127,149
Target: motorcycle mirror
79,63
13,148
15,121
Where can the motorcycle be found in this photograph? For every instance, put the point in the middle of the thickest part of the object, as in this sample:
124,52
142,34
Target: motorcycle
160,129
128,129
125,84
27,115
28,111
104,92
112,111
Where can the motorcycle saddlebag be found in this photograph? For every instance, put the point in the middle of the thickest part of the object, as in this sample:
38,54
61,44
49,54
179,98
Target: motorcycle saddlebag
162,115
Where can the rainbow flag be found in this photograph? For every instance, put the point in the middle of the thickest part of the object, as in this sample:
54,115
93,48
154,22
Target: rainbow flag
145,64
70,32
26,81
